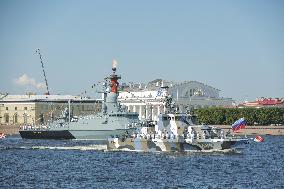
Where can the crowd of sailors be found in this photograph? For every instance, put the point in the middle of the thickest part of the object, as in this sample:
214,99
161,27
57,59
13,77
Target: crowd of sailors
41,127
189,134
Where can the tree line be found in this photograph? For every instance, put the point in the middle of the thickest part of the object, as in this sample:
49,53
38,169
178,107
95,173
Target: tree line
227,116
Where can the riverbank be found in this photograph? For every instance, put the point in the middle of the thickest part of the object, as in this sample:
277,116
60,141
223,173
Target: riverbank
249,130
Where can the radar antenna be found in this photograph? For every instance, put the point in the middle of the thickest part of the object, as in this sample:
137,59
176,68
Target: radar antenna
46,84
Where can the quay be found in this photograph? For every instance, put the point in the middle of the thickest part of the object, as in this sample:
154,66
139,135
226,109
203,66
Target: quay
9,129
249,130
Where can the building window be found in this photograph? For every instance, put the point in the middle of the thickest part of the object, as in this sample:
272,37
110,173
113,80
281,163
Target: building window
16,108
41,118
192,92
6,116
25,118
15,118
186,94
52,116
25,108
7,108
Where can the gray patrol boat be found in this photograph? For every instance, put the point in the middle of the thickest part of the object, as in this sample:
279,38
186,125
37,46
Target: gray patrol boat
113,120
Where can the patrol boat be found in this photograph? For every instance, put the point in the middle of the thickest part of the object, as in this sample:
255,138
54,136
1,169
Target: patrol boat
175,132
111,121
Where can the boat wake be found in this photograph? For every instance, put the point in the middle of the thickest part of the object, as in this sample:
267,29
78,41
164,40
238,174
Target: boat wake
225,151
81,148
232,151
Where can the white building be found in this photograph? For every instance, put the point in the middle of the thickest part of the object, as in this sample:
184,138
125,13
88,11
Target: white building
149,99
148,103
194,94
38,109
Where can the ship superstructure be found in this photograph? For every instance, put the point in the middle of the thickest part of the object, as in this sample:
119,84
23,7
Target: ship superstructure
111,121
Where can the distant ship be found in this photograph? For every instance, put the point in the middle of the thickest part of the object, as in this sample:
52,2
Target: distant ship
113,120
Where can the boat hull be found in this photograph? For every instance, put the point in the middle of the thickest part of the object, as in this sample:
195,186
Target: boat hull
98,135
170,145
216,144
43,134
146,145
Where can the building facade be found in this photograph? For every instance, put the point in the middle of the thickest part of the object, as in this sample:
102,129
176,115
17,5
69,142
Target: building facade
39,109
194,94
264,103
149,99
148,103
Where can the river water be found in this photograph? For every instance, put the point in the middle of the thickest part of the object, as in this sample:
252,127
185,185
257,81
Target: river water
81,164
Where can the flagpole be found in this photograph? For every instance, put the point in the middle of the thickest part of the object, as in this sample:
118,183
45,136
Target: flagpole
245,128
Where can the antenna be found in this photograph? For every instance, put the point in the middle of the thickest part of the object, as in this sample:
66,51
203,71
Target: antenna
114,65
40,57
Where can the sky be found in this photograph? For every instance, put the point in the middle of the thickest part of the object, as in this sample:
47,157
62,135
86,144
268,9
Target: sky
235,46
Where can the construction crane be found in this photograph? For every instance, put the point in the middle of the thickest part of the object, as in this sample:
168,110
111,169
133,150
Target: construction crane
46,84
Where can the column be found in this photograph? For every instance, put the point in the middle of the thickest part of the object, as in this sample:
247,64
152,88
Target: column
140,111
134,108
146,112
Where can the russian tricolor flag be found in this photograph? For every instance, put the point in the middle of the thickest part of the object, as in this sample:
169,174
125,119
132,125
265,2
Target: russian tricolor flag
239,124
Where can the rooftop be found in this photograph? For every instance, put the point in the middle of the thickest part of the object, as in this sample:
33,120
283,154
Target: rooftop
32,98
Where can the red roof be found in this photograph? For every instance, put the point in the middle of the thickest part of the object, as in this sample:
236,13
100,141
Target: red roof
264,102
269,101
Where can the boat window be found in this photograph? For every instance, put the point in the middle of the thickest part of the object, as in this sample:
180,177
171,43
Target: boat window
165,118
182,119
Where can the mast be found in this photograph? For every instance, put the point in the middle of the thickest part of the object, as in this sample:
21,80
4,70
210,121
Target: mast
113,78
69,110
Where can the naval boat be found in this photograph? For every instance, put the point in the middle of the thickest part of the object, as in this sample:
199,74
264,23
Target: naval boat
175,132
111,121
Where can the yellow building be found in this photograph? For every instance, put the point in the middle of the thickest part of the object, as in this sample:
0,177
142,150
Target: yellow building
39,109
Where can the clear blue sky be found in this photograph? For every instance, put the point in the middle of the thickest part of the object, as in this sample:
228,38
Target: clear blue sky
235,46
